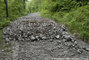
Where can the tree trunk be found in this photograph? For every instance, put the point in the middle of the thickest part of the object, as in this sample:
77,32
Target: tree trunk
6,8
24,3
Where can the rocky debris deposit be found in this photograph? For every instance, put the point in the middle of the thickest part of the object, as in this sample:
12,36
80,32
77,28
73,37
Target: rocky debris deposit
40,38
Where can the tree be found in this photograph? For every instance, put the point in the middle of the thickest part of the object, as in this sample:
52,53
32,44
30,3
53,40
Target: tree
6,8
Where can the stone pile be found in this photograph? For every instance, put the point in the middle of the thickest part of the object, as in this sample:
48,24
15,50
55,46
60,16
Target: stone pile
32,30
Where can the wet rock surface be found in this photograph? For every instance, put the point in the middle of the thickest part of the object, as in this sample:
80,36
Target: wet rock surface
36,38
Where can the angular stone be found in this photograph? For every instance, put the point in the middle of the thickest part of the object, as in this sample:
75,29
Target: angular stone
37,37
75,42
68,39
2,50
79,51
87,49
44,38
58,36
32,37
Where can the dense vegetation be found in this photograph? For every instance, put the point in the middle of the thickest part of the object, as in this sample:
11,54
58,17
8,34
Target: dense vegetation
73,13
16,8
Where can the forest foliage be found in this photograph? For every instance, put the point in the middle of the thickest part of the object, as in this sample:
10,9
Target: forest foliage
73,13
16,8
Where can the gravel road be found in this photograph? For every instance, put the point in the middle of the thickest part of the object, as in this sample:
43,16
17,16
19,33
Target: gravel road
36,38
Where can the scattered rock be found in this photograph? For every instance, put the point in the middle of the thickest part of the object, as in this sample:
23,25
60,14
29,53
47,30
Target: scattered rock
2,50
59,42
87,49
79,51
33,38
37,37
75,43
68,39
73,40
44,38
7,39
58,36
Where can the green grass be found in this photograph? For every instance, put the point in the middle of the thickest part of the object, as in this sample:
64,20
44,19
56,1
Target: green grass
2,45
1,40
